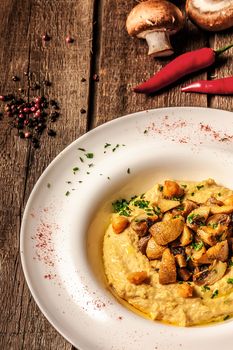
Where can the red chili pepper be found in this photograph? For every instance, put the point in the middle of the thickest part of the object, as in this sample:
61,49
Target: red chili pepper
182,65
223,86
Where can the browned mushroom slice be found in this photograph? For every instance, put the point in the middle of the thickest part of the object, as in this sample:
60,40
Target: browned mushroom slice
219,251
211,274
167,204
142,243
137,277
167,216
184,274
186,236
185,208
153,250
167,271
119,223
172,189
140,227
224,209
198,217
214,201
207,235
185,290
218,219
181,261
197,252
165,232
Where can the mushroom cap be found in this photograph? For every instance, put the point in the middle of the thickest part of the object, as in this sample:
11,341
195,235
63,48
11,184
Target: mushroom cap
211,15
154,15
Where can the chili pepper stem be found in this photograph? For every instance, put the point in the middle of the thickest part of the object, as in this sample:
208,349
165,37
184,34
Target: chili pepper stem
223,49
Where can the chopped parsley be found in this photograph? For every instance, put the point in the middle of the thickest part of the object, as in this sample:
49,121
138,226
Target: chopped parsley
141,203
68,182
67,193
197,246
184,186
191,217
48,185
215,225
91,165
226,317
230,263
116,147
89,155
199,187
75,169
219,194
215,294
88,173
230,280
80,181
195,219
192,194
128,171
108,178
107,145
121,207
145,131
82,149
205,288
160,188
81,159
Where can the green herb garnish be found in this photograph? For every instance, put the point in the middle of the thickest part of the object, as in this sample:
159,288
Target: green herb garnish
107,145
91,165
197,246
81,159
226,317
192,194
75,169
230,263
48,185
215,294
199,187
141,203
121,207
89,155
205,288
67,193
230,280
116,147
68,182
82,149
184,186
145,131
128,171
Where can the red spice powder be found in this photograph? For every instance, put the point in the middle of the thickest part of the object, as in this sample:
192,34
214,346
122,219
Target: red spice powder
216,135
44,246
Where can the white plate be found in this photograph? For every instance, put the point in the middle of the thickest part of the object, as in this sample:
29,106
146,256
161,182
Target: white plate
58,229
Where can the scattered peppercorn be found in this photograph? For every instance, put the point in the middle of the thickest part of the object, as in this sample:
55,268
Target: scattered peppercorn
69,40
52,132
96,77
46,37
15,78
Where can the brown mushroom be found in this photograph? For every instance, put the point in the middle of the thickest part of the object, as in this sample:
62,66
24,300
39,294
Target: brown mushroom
186,236
142,243
167,204
212,201
155,21
210,275
208,235
212,15
180,260
218,219
229,200
224,209
140,227
185,290
172,189
197,217
165,232
185,209
219,251
167,271
153,250
119,223
184,274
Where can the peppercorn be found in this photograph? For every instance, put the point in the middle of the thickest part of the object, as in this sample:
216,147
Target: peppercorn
52,133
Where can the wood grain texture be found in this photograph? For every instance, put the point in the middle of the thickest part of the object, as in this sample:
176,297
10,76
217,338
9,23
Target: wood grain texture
122,62
22,325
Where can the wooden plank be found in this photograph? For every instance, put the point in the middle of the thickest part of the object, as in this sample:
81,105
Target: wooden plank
122,62
223,68
22,324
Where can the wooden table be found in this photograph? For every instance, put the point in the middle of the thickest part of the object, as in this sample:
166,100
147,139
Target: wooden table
101,47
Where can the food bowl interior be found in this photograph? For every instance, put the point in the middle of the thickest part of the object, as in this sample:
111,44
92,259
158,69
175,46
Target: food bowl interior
150,170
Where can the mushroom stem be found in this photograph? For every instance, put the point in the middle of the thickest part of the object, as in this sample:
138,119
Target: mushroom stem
159,44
